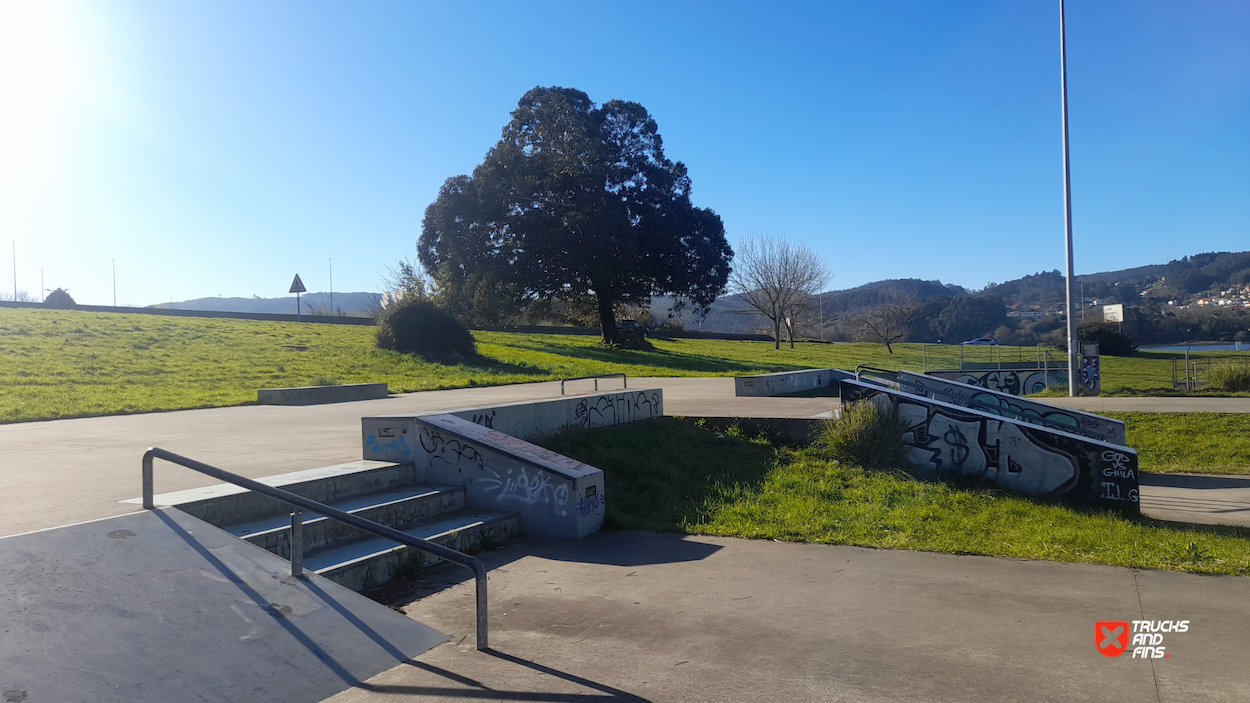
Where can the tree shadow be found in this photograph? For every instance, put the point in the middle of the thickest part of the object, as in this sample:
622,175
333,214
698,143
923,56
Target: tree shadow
660,359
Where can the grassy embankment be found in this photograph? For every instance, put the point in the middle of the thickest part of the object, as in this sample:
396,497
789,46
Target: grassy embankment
668,475
56,364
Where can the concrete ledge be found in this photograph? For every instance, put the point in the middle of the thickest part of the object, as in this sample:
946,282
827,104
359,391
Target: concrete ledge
998,403
485,450
783,382
311,395
943,439
1010,381
555,496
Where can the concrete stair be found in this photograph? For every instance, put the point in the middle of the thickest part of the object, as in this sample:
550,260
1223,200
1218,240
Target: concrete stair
380,491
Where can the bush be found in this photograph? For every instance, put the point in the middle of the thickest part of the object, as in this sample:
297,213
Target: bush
1111,342
1229,376
415,326
865,435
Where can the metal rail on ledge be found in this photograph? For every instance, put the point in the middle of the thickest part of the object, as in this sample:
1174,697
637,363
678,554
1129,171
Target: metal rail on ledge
297,545
596,377
872,371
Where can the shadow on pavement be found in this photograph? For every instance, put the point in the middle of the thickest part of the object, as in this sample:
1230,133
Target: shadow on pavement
473,688
1193,481
624,549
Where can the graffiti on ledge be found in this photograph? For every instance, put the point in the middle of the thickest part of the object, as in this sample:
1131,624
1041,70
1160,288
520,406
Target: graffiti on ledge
951,441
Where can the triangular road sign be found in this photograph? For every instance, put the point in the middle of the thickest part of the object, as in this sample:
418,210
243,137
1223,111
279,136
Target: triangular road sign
297,286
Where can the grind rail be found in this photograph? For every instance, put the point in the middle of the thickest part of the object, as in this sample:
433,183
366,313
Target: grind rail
624,381
297,545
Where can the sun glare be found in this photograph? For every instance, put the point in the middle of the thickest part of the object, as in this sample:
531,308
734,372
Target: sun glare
39,74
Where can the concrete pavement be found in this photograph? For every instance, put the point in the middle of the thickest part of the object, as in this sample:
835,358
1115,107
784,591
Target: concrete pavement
656,617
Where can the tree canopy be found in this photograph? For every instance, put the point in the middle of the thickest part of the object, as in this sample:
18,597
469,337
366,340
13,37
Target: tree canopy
575,200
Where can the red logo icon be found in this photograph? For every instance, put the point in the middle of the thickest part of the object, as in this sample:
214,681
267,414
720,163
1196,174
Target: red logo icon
1111,637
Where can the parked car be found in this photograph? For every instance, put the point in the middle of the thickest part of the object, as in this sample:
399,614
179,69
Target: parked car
632,328
981,340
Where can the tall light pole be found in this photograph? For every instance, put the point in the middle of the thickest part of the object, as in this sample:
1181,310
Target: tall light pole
1067,207
15,270
331,286
114,281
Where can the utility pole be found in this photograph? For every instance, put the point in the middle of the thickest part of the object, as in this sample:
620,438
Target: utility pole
15,270
1067,206
331,286
114,281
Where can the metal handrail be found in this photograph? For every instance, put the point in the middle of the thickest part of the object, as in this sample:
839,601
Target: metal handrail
883,374
438,550
624,380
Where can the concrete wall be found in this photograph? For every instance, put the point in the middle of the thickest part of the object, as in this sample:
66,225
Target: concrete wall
574,413
311,395
556,496
484,450
1011,381
947,440
1007,405
782,382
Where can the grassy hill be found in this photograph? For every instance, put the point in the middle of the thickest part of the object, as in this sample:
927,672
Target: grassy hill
57,364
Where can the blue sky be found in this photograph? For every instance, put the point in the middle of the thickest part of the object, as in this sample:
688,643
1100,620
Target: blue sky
221,147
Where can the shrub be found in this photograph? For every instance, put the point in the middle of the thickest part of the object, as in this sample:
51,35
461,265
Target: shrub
1229,376
865,435
1111,342
415,326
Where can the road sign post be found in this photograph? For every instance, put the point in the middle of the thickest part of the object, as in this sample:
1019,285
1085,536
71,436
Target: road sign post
297,287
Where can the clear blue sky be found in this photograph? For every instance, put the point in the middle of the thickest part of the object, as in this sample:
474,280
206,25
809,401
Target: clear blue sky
220,147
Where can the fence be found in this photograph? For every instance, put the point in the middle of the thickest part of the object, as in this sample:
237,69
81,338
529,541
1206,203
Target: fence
942,357
1190,372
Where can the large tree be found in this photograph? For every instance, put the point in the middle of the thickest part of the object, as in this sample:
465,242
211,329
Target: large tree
577,200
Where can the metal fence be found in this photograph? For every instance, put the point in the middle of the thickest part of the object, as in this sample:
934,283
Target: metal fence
976,356
1190,372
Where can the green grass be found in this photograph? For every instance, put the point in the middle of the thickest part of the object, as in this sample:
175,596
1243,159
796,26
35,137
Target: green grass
669,475
1212,443
56,364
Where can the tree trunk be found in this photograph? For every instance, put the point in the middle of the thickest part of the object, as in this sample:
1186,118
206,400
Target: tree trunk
777,333
887,347
607,321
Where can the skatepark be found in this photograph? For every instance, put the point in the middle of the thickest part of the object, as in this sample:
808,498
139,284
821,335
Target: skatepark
612,616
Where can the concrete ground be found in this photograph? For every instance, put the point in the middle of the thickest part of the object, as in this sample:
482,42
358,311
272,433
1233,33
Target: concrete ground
64,471
655,617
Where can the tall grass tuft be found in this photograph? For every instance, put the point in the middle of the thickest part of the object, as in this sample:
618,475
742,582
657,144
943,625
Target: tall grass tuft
865,435
1229,376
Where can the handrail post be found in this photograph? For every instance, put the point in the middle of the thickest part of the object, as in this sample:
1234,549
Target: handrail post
148,498
483,627
297,543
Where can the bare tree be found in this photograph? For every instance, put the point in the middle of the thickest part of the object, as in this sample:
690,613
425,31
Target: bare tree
778,280
887,323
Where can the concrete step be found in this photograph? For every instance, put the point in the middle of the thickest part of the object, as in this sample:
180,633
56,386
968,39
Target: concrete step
369,563
227,504
397,508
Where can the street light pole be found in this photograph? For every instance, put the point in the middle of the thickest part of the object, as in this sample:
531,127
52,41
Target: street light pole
114,281
1067,206
331,286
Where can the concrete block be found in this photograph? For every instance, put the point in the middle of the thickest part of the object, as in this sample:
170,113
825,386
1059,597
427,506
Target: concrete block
945,439
555,496
312,395
783,382
1010,381
999,403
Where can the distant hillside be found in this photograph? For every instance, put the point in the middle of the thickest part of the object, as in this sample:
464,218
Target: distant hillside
353,304
1181,280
